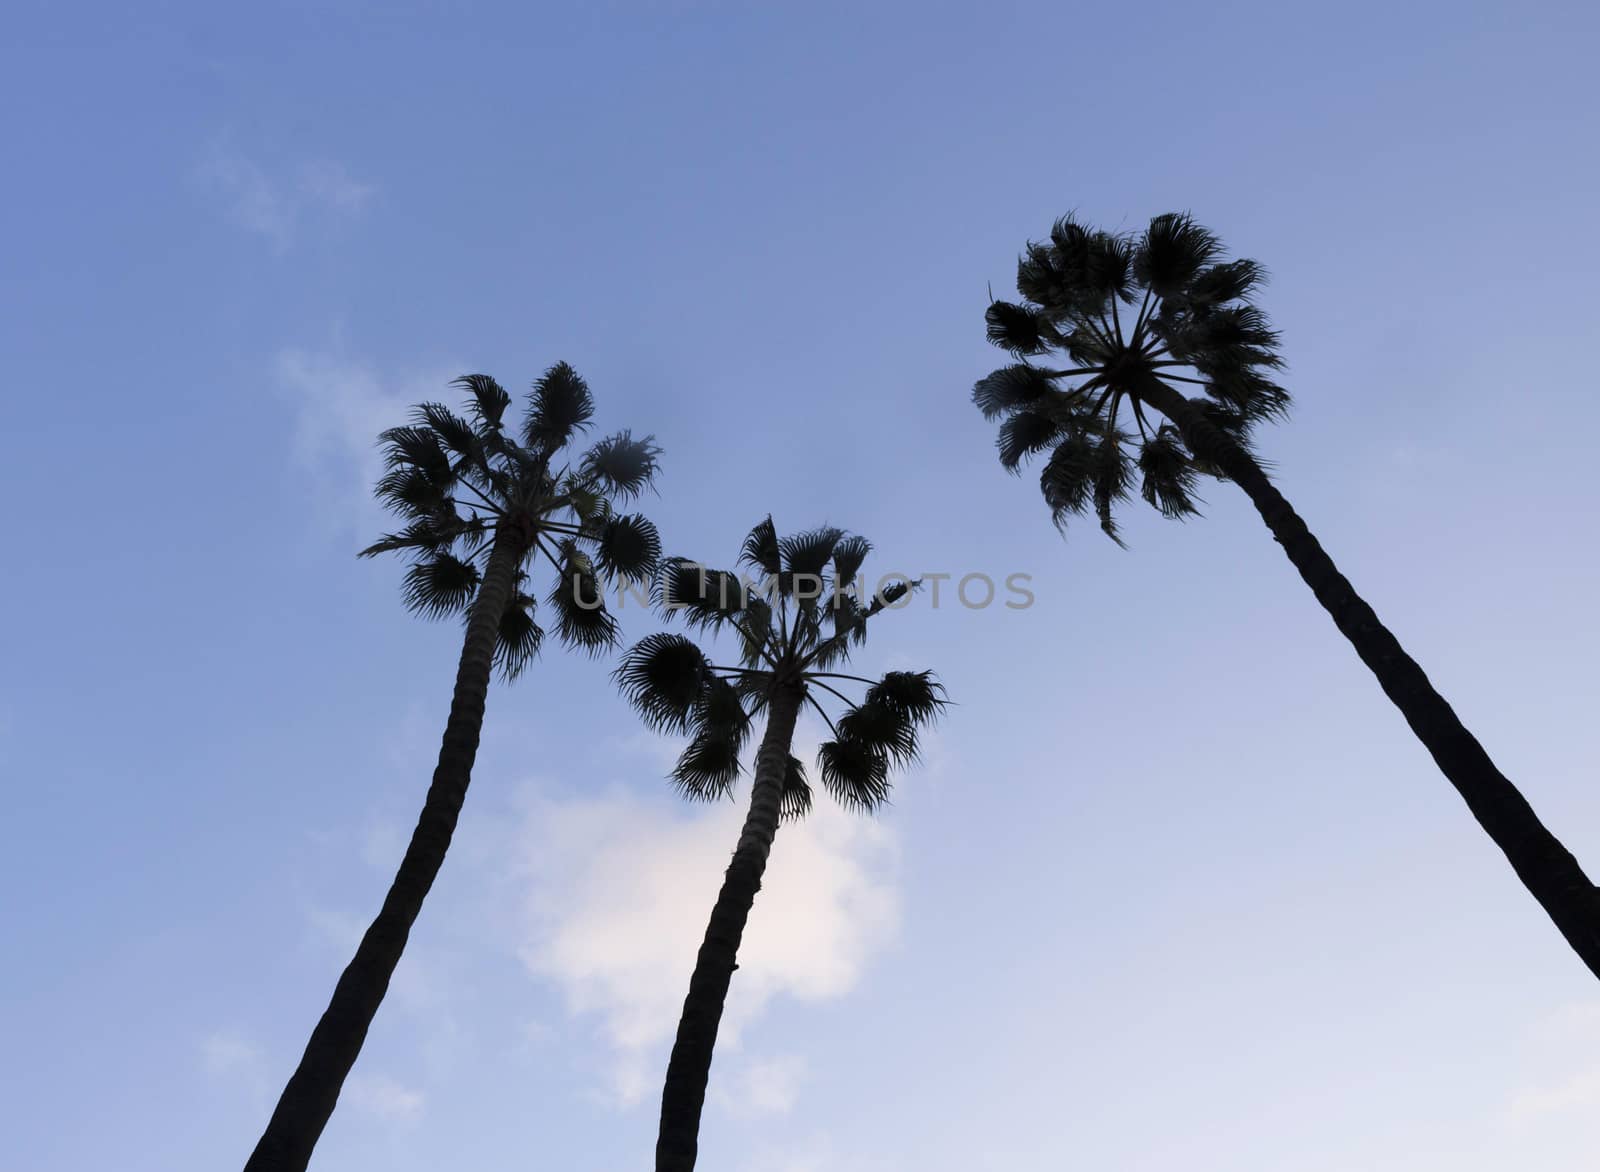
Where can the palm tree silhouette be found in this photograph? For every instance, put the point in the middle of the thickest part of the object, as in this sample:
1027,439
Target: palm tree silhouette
802,619
1195,326
479,506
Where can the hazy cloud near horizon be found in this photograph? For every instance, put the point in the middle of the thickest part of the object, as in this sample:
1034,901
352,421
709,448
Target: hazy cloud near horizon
618,890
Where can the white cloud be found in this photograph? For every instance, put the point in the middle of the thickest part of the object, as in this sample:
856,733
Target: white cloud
252,201
1578,1092
341,406
815,1153
788,1161
763,1086
330,185
273,206
225,1053
1565,1038
620,889
384,1097
1578,1020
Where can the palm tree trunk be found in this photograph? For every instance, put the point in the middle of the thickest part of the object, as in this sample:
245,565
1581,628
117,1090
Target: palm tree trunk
1547,869
308,1099
690,1066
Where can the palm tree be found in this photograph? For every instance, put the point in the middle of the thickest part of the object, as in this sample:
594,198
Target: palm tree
1195,326
796,624
480,506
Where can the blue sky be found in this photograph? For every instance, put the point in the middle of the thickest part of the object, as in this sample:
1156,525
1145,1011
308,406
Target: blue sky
1175,888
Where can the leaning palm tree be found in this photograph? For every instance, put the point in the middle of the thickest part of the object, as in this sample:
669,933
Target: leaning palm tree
794,625
1137,319
482,500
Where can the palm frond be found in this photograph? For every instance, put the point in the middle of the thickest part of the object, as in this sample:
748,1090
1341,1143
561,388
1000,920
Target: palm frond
1023,433
892,713
1235,336
720,706
880,728
796,801
1046,281
489,399
439,584
855,774
849,626
519,638
1108,267
887,596
416,447
587,501
761,549
622,465
628,547
1071,239
1222,283
1067,480
582,620
704,597
454,433
709,765
1169,477
916,693
755,630
1057,279
561,406
849,553
1172,253
413,492
435,533
1111,474
1010,388
1241,389
1018,329
665,678
806,555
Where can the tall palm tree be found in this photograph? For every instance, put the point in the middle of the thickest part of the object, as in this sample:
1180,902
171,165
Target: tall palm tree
482,499
1136,320
795,624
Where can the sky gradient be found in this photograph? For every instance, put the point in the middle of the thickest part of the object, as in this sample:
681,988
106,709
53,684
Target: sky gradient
1175,887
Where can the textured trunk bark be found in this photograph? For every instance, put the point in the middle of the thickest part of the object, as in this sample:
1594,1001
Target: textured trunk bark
308,1099
684,1094
1547,869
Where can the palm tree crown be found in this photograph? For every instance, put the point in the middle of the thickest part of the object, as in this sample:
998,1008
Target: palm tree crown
462,483
801,616
478,503
1194,325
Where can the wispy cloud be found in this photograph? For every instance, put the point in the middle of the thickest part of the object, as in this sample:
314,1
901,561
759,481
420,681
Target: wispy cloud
1577,1092
384,1097
816,1153
225,1053
329,185
272,204
1566,1038
760,1086
236,1065
341,405
619,891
